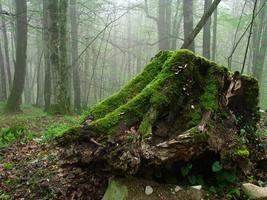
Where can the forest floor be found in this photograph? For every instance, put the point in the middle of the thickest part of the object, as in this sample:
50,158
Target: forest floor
31,169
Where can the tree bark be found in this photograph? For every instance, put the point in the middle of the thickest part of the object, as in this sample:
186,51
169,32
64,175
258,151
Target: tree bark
207,32
47,77
3,89
189,39
188,23
14,99
214,38
63,99
175,110
164,24
6,47
75,64
176,25
259,44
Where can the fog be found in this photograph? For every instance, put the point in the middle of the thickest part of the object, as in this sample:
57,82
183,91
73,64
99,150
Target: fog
101,45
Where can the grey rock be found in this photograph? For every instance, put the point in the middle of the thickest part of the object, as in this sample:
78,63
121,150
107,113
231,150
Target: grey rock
255,192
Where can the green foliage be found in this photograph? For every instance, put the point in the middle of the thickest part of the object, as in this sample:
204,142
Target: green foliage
5,196
10,135
234,192
55,131
216,166
190,178
223,177
8,166
186,169
241,152
145,127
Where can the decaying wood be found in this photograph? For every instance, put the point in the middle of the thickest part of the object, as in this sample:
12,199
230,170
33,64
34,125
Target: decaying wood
189,107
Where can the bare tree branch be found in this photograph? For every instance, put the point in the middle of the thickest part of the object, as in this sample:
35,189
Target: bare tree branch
200,24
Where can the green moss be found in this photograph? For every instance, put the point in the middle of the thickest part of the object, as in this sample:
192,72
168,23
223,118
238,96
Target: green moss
242,151
173,81
195,117
131,89
251,114
198,137
116,191
145,128
208,100
136,108
158,98
8,166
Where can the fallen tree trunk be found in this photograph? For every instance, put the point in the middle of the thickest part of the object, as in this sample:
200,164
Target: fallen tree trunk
178,109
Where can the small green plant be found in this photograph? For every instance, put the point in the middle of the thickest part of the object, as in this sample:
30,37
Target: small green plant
216,167
186,169
190,178
10,135
55,131
234,192
5,196
223,177
8,166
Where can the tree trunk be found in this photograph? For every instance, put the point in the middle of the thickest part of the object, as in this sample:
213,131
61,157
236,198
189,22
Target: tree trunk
47,82
6,47
189,39
14,99
176,25
63,99
75,63
180,107
188,22
164,24
54,48
207,32
214,38
260,44
3,89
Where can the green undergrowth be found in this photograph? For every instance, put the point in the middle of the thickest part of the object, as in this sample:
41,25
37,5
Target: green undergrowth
9,136
32,124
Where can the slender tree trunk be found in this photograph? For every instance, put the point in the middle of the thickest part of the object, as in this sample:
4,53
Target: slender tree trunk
164,24
13,102
214,38
262,55
188,22
39,95
176,25
258,40
207,32
27,87
189,39
3,91
6,47
75,64
53,47
63,99
47,77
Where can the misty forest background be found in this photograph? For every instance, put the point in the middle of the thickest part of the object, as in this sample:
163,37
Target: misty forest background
65,55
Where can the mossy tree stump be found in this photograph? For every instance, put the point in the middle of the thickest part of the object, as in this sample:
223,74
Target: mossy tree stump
180,107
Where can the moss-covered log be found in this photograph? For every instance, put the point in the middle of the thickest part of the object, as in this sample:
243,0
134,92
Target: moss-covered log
178,108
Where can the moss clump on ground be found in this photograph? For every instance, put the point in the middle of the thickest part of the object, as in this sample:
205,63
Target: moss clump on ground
241,152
